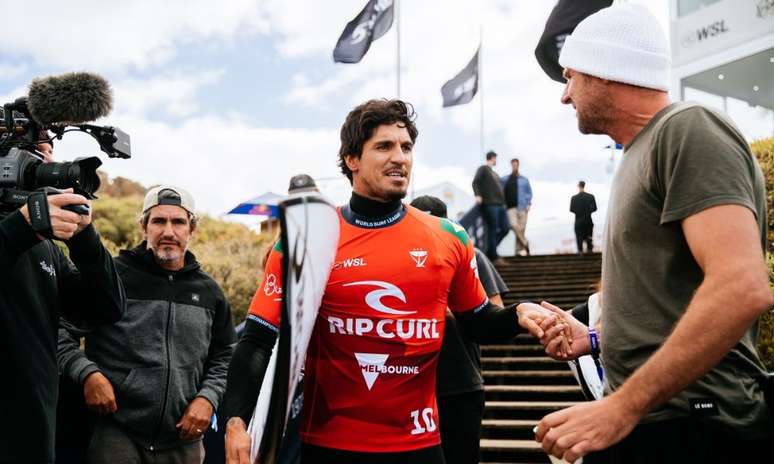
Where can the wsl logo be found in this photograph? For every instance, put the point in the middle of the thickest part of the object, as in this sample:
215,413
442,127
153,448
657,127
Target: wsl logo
365,29
350,262
705,33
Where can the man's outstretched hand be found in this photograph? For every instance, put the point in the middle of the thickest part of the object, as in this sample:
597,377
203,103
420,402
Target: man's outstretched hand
592,426
556,336
536,319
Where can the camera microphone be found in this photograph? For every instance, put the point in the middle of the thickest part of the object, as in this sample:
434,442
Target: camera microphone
72,98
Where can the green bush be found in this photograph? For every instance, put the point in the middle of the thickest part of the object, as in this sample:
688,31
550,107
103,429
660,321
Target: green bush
764,151
231,253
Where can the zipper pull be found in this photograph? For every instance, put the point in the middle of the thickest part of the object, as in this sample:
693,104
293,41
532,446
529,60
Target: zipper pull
170,277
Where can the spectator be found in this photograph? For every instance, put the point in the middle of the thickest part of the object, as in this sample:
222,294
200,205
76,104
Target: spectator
683,267
302,183
582,204
459,385
489,197
157,375
518,199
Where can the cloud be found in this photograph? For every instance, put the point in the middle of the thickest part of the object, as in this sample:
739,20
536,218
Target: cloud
114,35
10,71
170,94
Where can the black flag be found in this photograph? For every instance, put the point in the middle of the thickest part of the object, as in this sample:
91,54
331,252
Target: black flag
373,22
462,87
561,22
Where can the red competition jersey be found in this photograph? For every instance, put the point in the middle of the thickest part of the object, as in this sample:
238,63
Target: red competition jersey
369,382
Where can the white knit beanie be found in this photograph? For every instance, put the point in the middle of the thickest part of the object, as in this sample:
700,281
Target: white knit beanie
622,43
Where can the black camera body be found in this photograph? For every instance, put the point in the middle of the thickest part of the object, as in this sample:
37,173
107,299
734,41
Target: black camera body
65,102
22,172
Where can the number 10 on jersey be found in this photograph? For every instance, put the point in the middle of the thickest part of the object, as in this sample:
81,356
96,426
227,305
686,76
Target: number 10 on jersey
426,417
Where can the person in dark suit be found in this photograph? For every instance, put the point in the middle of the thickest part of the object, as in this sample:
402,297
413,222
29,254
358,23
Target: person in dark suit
582,205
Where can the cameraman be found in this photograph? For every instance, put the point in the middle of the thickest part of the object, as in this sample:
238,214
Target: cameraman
38,284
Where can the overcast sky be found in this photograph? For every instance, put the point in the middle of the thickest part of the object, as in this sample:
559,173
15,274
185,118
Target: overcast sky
230,99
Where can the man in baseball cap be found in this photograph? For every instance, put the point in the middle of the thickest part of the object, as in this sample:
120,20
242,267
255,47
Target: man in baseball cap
157,375
302,183
683,268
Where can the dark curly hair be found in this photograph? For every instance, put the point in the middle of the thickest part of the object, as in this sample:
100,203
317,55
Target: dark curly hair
364,119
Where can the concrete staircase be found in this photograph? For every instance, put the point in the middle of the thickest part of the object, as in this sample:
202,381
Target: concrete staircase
521,383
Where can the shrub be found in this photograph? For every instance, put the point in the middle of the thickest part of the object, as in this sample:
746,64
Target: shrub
764,151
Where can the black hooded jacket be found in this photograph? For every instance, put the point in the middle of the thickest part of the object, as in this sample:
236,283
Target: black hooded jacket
38,284
173,344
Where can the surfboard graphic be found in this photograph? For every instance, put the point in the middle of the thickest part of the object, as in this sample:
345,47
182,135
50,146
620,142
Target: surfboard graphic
310,237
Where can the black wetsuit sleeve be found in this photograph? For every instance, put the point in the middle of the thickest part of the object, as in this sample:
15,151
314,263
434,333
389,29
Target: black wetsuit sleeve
581,313
246,371
490,324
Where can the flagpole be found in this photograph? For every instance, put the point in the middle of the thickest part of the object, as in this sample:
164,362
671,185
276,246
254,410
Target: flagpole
397,46
481,83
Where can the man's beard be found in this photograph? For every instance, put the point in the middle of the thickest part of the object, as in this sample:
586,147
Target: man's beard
392,195
168,255
594,118
592,122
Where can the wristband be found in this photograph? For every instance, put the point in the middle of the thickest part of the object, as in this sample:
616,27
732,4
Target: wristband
594,343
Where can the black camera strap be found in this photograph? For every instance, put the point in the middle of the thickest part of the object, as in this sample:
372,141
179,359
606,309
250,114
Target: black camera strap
40,219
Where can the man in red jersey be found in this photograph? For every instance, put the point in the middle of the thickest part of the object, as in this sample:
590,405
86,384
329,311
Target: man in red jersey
369,387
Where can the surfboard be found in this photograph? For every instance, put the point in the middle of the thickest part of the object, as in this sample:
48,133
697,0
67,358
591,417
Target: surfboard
310,236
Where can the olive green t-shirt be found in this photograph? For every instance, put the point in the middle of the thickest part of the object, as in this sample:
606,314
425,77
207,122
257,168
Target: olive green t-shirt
687,159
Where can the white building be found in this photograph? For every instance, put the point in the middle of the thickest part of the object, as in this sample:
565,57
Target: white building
723,56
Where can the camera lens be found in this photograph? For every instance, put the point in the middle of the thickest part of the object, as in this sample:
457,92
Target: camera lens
79,174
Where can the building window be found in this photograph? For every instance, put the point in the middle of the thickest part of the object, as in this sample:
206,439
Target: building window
685,7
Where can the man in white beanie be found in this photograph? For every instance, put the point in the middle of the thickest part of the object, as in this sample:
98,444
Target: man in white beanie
683,266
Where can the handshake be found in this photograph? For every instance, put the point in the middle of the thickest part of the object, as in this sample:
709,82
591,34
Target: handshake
563,337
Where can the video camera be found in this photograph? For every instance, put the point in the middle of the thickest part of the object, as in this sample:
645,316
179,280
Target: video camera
58,104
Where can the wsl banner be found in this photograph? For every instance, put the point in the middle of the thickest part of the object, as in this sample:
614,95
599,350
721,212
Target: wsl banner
463,87
373,22
310,237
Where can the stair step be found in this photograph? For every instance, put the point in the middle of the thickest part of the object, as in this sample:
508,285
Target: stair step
524,339
533,410
533,393
555,293
529,405
513,377
512,451
527,445
512,350
531,388
513,429
562,302
522,362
